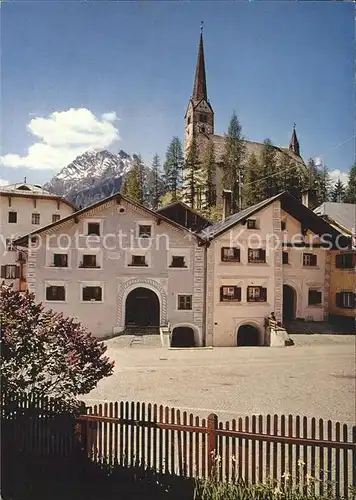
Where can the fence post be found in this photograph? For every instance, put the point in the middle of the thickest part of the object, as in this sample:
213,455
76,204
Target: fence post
212,441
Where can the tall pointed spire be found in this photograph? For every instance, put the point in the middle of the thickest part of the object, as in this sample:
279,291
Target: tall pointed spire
200,91
294,143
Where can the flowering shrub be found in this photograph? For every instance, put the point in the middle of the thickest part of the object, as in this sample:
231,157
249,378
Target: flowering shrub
44,353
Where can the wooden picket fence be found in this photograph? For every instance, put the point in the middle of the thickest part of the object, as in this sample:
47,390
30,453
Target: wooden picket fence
312,454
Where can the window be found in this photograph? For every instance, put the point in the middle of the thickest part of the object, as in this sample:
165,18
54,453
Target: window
12,217
345,260
314,297
144,231
10,245
92,294
256,294
309,259
55,293
230,294
60,260
256,255
89,261
283,225
251,224
178,261
285,257
346,300
185,302
188,120
10,272
94,228
55,217
138,260
230,254
35,218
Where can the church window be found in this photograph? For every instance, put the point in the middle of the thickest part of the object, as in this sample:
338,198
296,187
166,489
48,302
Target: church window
203,128
188,120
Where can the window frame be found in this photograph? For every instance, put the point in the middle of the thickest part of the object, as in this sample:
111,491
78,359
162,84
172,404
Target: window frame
236,254
236,294
343,294
315,291
259,261
10,213
133,256
285,262
48,285
262,294
341,260
60,255
186,296
85,255
35,218
312,257
253,223
57,217
184,266
7,275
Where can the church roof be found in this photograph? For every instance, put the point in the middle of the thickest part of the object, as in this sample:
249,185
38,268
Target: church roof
251,147
200,90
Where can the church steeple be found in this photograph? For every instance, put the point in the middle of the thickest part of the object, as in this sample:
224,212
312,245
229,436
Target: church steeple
200,90
294,143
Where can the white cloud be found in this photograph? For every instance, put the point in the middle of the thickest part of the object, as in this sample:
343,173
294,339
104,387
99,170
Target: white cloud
3,182
63,135
336,174
318,161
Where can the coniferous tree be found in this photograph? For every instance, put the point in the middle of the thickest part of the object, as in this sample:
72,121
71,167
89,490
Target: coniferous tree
173,167
192,177
269,170
291,176
351,186
318,180
253,185
155,184
233,161
338,192
131,187
208,174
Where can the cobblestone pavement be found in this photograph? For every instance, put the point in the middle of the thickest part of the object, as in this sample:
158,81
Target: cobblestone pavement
315,378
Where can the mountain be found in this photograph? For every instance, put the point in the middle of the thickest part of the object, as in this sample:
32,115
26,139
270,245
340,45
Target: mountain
91,177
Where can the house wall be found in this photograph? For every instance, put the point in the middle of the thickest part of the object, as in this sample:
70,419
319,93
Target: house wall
302,278
341,280
114,247
25,207
226,317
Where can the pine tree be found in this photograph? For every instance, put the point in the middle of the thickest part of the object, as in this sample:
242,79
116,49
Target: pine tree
318,180
208,174
351,186
253,186
338,192
192,177
232,161
155,184
291,178
131,187
173,167
269,170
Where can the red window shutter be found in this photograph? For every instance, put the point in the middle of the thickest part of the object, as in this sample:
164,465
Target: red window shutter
3,271
263,294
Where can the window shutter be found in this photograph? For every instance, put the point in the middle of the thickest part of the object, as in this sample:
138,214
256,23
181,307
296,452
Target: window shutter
338,300
222,253
237,253
237,293
313,260
354,304
263,254
263,294
318,297
338,261
3,271
221,293
17,272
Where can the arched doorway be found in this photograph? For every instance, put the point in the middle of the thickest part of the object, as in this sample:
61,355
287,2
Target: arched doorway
289,303
248,335
142,309
183,336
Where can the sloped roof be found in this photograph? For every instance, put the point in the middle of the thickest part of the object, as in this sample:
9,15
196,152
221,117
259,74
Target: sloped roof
25,190
341,213
251,147
289,204
23,240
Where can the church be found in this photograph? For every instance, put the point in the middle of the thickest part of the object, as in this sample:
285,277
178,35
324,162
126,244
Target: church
199,123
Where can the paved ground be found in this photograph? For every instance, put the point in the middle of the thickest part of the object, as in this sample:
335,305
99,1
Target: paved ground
316,377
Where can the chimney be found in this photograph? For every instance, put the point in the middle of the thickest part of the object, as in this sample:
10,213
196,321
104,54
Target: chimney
227,199
305,197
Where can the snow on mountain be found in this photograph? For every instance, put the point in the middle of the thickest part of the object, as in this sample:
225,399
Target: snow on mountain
91,177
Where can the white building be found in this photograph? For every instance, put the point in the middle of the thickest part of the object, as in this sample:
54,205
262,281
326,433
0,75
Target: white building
117,266
268,258
24,207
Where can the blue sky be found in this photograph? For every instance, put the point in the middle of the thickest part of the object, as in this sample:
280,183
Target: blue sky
274,63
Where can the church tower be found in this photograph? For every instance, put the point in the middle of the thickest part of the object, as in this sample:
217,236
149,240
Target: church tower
294,143
199,117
